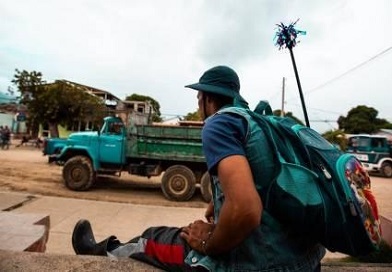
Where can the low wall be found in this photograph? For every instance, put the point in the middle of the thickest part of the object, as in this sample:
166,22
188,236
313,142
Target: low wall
11,261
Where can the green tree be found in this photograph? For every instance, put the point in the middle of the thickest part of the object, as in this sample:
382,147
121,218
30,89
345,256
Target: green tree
55,103
29,84
362,119
156,117
192,116
63,103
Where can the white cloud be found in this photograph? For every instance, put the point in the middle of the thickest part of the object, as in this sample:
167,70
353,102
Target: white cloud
157,47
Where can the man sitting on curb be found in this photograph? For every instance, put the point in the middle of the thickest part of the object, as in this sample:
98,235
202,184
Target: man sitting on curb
238,234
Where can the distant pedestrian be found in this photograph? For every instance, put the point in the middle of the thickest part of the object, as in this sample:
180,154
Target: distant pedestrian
5,137
1,136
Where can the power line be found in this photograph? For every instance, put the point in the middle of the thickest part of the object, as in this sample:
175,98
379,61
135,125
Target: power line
326,83
350,70
344,74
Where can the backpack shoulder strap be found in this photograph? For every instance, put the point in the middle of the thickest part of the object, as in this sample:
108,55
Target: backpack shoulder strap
263,108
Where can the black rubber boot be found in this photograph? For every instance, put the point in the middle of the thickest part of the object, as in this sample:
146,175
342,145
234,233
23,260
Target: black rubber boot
84,243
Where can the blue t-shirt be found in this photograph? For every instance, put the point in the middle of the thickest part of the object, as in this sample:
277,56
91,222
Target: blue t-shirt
223,135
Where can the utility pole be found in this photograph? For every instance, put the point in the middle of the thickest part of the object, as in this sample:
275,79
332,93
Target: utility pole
283,88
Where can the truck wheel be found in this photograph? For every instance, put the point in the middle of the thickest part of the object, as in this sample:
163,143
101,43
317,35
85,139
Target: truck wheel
205,187
178,183
386,169
78,173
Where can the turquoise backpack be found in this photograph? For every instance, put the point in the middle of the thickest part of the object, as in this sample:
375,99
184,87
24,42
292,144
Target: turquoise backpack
320,190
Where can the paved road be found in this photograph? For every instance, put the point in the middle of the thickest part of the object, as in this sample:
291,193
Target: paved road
382,189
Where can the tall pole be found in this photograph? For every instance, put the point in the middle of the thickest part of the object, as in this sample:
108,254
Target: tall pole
283,88
299,88
286,38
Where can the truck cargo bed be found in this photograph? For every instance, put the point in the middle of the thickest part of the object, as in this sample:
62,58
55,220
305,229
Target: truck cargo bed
166,142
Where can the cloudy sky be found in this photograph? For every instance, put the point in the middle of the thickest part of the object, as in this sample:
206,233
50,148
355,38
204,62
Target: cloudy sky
154,48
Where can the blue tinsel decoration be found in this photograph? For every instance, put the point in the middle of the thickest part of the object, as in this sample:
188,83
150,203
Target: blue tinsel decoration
287,35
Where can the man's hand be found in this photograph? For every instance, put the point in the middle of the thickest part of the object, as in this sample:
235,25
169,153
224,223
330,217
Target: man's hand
197,233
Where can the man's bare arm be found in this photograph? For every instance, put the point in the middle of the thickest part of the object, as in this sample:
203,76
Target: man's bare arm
242,208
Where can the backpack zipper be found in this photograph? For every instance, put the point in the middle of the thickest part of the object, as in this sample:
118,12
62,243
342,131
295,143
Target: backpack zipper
325,171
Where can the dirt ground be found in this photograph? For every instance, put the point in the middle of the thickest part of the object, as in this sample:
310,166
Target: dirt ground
25,169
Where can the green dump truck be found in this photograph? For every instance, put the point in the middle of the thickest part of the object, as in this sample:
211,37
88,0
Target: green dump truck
374,151
139,149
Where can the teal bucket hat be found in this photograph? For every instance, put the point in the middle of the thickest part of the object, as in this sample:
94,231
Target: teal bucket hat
220,80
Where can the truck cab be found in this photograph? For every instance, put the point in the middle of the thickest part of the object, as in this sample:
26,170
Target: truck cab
374,151
104,148
112,143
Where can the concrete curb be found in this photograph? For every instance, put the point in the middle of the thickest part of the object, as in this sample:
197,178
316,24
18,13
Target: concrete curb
11,261
348,266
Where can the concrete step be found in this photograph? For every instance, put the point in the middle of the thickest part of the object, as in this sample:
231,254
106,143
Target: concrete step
24,231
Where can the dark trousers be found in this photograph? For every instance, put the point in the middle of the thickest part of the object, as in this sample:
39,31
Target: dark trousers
161,247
